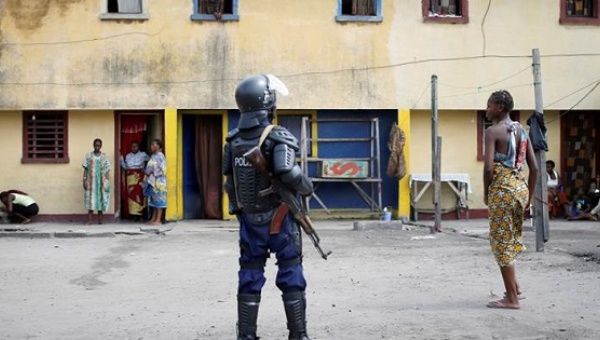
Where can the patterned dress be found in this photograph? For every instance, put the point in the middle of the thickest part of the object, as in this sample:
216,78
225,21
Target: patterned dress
133,164
97,173
156,181
507,196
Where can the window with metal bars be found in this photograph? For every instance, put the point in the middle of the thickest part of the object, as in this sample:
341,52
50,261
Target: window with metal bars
125,6
219,10
359,7
580,8
579,12
359,10
444,8
45,137
446,11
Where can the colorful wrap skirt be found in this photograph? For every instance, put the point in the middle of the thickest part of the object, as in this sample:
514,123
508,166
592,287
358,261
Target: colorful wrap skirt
135,191
507,197
156,193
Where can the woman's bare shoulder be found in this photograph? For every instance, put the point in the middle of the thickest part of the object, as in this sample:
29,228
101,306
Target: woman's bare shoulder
495,130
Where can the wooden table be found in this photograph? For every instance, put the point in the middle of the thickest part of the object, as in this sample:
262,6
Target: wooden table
459,183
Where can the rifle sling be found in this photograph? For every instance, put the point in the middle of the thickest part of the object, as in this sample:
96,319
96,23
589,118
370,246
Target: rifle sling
264,135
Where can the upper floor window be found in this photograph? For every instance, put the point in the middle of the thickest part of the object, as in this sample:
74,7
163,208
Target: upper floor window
216,10
579,12
124,9
359,10
45,137
446,11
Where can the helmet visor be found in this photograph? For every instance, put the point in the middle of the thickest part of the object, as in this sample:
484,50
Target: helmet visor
275,84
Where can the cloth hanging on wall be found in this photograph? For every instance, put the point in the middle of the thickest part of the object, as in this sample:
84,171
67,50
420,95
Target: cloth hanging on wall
396,163
537,131
363,7
208,164
215,7
130,6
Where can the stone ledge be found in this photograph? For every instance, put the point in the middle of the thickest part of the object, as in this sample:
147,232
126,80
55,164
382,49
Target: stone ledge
381,225
19,234
37,234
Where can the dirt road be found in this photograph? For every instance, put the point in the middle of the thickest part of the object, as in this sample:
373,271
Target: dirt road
376,285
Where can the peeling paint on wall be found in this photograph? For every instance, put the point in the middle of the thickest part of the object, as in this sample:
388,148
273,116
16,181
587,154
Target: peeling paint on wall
29,14
159,68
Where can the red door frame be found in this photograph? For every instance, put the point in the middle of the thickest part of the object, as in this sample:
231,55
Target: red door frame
117,179
563,152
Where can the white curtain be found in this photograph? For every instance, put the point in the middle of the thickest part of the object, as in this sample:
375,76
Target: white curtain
130,6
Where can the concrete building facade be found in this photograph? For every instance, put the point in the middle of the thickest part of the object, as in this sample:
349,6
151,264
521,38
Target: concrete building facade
97,61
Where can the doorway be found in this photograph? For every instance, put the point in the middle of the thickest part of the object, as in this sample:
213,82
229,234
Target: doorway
202,159
579,151
141,128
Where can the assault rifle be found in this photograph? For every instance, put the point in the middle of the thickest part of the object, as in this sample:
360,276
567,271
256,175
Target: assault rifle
258,161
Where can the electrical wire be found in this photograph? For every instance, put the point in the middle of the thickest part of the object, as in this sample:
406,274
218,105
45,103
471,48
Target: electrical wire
479,92
577,103
487,10
291,75
490,84
304,74
67,42
427,86
572,93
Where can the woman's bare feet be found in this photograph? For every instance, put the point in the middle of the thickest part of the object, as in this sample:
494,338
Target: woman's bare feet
519,295
503,304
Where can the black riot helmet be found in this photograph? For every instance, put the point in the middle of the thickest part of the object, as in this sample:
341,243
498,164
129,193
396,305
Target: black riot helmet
256,97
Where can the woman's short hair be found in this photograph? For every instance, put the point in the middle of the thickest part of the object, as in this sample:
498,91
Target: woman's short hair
551,163
503,98
97,140
158,142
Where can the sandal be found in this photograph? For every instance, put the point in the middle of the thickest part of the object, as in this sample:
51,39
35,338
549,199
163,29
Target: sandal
501,304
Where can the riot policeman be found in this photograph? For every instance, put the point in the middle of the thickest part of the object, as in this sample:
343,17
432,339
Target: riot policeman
265,225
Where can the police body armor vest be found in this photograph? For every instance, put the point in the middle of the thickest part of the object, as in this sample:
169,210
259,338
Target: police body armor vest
247,180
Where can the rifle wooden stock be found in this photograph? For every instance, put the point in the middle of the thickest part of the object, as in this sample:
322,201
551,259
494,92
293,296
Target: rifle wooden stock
258,161
255,157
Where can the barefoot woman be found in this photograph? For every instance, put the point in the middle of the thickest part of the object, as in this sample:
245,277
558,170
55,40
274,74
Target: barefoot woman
156,182
506,192
96,181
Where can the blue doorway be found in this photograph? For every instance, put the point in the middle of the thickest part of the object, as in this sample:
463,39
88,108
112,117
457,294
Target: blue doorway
202,158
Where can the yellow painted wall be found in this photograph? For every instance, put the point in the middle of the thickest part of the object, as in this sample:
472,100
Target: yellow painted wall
56,187
61,51
458,129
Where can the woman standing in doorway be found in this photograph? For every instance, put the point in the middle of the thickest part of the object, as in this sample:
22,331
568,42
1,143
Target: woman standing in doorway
96,181
506,193
156,182
133,166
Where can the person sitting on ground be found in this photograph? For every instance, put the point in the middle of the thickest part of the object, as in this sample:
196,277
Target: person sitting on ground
557,198
580,208
595,212
20,206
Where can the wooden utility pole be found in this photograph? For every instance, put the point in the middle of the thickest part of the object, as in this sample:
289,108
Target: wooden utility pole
436,153
540,207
